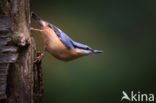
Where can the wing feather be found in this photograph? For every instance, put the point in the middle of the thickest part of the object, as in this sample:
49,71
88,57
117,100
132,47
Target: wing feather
63,37
69,43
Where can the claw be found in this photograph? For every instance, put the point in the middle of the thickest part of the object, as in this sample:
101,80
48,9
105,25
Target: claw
39,57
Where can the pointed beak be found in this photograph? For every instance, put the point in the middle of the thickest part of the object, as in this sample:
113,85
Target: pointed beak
38,19
34,16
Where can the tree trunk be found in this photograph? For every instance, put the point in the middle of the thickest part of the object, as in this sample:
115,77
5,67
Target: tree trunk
20,77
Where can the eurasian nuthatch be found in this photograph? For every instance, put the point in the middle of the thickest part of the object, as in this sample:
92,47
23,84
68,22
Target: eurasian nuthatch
59,44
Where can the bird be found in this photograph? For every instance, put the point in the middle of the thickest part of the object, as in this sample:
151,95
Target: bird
59,44
125,96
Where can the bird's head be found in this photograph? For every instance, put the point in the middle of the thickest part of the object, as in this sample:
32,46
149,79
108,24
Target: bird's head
41,22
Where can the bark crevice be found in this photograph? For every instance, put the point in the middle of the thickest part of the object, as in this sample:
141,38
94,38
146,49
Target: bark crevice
20,77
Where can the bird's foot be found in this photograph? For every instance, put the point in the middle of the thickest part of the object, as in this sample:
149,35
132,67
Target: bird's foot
33,29
39,57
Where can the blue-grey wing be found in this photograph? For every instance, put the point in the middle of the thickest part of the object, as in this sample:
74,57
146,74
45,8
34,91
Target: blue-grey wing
79,45
67,41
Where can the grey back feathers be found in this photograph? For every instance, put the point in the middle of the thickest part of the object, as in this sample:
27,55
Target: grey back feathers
69,43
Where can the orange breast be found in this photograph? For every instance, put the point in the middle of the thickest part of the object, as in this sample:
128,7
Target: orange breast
55,46
52,40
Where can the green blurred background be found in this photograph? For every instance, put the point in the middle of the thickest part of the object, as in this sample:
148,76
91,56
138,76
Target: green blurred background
124,29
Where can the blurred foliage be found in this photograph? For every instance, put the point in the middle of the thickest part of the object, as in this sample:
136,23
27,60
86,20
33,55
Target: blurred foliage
124,30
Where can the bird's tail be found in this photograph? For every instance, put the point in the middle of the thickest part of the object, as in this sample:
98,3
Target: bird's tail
97,51
38,19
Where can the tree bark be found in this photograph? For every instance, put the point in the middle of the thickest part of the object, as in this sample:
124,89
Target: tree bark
20,77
